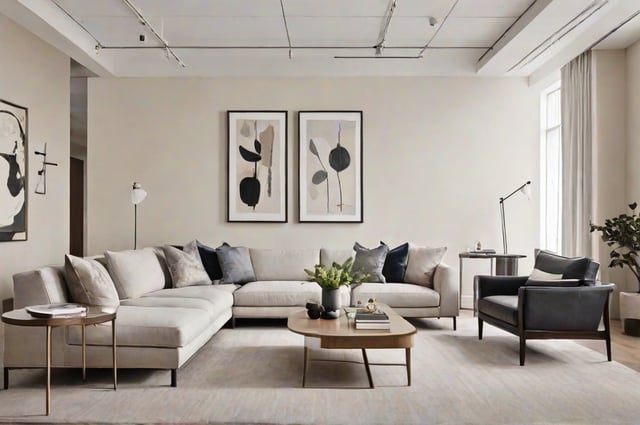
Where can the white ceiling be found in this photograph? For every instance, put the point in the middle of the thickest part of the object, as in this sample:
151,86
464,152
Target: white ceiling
249,37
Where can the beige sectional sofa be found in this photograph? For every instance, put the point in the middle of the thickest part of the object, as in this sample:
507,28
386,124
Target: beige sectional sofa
164,327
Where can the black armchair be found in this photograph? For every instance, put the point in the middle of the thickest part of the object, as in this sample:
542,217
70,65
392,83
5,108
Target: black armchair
571,307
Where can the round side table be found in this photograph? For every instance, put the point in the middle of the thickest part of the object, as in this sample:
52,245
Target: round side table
94,316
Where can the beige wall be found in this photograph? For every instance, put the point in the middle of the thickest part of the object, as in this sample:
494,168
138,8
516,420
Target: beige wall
438,153
35,75
609,146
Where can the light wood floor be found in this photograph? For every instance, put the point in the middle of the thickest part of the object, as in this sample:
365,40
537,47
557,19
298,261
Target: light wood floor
625,349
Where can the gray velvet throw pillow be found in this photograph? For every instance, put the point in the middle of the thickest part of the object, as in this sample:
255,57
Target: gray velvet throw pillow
370,261
235,263
186,266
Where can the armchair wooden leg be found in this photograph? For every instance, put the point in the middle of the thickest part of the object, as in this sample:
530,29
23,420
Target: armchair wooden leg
480,322
523,349
455,325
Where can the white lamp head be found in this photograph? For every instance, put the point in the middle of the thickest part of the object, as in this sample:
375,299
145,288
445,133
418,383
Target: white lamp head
137,193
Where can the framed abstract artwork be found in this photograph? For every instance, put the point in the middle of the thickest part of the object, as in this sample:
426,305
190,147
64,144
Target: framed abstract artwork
257,166
330,166
13,172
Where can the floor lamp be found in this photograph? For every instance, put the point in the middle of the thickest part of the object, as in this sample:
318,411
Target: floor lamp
524,189
137,195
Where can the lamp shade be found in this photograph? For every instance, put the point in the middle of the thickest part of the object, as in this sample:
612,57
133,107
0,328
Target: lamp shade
137,194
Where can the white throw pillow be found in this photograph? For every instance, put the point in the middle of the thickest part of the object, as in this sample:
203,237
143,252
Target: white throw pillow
537,274
422,263
89,282
135,273
186,266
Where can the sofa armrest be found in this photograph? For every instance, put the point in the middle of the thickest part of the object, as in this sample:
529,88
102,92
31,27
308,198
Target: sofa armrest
498,285
445,283
564,309
45,285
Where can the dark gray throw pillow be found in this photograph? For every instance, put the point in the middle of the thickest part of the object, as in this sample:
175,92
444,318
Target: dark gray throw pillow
370,261
582,268
395,264
235,263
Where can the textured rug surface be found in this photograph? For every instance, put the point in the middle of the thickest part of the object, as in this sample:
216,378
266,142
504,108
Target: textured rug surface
252,374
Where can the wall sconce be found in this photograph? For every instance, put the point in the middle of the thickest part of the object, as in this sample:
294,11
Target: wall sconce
41,187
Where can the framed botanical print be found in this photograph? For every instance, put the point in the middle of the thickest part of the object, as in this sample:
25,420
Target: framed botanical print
13,172
257,166
330,166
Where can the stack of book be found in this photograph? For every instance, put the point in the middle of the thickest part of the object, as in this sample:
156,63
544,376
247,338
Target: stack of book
57,310
372,320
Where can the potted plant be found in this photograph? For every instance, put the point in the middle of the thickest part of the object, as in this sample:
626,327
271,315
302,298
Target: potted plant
330,279
622,233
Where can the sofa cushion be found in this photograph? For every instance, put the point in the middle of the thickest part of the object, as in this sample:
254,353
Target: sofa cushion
370,261
282,294
396,295
212,293
395,264
236,265
283,264
186,266
135,273
179,302
330,256
89,282
502,307
147,327
422,263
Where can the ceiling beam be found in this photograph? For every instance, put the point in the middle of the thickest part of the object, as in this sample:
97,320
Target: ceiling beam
528,39
46,20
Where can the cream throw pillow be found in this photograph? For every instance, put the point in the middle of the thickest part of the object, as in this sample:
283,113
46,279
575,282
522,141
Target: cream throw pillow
89,282
186,266
422,263
135,273
537,274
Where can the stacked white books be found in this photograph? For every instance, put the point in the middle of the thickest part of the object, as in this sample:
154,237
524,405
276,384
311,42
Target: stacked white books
57,310
372,320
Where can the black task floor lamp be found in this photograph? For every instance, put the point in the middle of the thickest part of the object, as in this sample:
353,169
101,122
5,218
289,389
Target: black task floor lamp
137,195
524,189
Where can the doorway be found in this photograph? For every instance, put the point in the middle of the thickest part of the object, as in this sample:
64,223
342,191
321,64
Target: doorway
76,207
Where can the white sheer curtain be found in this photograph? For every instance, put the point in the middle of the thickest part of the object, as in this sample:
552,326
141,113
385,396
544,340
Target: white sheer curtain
576,155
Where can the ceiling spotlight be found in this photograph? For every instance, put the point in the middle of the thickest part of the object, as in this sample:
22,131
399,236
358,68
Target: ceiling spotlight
142,38
432,21
379,48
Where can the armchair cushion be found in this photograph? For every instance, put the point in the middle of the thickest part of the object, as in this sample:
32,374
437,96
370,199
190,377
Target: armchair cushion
557,283
571,268
501,307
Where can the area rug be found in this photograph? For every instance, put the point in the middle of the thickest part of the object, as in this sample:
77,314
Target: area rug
252,374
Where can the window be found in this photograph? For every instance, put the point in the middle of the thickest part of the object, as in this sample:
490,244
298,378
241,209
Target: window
551,170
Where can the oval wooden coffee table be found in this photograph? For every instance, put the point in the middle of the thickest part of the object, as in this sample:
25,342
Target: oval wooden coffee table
94,316
342,333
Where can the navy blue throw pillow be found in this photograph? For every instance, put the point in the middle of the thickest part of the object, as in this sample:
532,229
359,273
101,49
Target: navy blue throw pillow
209,259
395,265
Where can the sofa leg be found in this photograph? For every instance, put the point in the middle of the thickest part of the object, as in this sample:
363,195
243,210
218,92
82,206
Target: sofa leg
174,378
6,378
233,323
480,322
455,324
523,349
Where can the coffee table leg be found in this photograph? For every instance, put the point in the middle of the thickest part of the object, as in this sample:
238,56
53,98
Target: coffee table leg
113,353
84,355
366,366
408,361
304,366
48,370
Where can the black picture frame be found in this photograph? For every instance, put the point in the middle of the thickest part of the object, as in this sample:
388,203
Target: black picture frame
330,167
14,189
257,193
